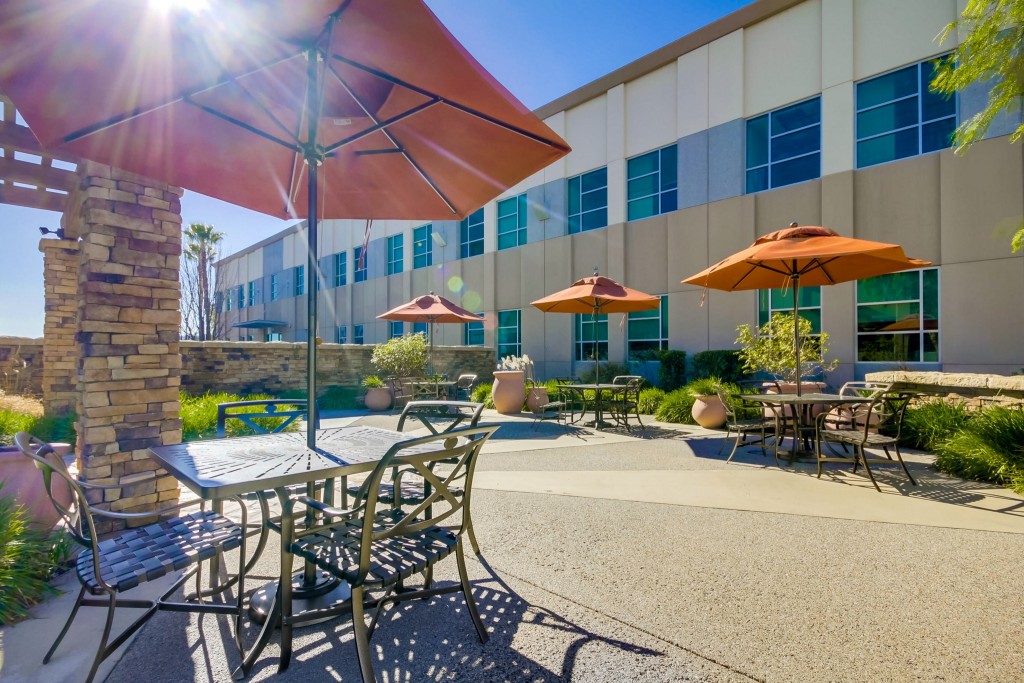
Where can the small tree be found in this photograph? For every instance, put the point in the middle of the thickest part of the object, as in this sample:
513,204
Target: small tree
401,356
200,251
769,348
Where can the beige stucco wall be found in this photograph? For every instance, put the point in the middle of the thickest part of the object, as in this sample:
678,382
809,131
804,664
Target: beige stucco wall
788,43
891,34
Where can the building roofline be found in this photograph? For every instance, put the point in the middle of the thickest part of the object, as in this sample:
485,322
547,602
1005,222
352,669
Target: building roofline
741,18
276,237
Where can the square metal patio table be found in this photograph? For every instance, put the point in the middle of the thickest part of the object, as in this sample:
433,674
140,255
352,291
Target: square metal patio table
799,407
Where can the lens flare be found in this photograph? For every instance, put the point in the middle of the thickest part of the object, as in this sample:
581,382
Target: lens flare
455,284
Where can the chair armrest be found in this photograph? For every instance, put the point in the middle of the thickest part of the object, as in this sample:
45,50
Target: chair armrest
100,512
325,508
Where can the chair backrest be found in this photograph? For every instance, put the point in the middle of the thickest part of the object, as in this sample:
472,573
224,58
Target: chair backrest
758,386
465,382
263,416
626,379
567,380
864,389
450,414
883,414
445,494
726,399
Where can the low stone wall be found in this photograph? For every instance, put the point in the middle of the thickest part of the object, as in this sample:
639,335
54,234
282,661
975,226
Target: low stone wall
21,366
964,384
274,367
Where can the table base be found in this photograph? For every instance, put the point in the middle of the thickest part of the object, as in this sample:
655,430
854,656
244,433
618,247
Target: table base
326,591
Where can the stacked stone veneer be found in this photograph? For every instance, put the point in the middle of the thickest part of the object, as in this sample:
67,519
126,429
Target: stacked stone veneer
273,367
60,355
127,334
21,366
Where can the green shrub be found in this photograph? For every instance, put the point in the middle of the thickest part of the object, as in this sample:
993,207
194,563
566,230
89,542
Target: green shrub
928,424
672,374
989,447
608,371
723,363
338,397
372,382
482,394
50,428
650,400
401,356
199,416
675,407
28,558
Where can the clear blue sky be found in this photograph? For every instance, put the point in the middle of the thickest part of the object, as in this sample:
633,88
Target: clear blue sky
539,49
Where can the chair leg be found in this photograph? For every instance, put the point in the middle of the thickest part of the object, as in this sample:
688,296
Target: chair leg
863,457
467,592
472,535
101,653
735,445
899,457
362,637
67,625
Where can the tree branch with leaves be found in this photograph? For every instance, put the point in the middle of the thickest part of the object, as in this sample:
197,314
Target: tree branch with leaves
201,250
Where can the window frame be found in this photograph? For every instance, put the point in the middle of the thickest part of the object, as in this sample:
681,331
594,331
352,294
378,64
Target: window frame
358,274
299,273
252,293
240,297
358,335
764,315
771,164
662,193
396,253
662,318
518,205
275,283
423,256
509,348
341,269
396,328
922,331
920,123
471,247
341,334
583,326
575,220
470,331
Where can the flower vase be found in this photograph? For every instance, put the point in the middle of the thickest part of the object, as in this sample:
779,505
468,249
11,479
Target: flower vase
708,412
508,391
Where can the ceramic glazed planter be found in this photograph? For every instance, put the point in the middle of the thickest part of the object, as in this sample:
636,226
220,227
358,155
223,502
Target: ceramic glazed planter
24,482
536,397
378,398
708,412
508,391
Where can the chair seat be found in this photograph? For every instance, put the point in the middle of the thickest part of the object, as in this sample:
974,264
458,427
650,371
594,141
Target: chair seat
411,493
392,559
857,437
756,424
149,552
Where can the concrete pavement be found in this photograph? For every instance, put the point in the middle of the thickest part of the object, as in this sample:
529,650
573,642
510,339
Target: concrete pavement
645,556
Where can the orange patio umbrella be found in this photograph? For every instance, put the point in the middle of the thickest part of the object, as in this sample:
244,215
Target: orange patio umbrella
431,308
805,255
595,295
318,109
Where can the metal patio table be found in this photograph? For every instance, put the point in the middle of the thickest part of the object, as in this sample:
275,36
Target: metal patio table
220,468
799,405
598,410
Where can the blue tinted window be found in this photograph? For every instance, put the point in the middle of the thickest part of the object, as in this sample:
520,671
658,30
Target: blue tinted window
784,146
588,201
471,235
652,183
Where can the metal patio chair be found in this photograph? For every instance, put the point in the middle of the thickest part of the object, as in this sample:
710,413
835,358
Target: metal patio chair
743,418
374,548
626,402
464,387
121,561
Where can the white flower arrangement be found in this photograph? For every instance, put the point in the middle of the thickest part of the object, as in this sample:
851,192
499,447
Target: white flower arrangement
516,363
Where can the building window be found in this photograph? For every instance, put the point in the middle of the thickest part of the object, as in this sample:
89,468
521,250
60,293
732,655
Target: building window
358,264
588,201
274,287
357,334
396,250
240,296
473,334
252,293
420,328
647,330
396,328
509,333
227,301
300,280
471,234
275,336
422,246
340,269
898,116
591,337
341,334
784,146
652,183
898,317
772,301
512,222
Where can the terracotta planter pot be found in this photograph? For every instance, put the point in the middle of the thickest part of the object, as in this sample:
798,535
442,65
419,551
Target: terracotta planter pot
508,391
708,412
24,482
378,398
536,397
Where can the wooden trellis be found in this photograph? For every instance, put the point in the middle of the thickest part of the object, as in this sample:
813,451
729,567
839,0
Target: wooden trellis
28,176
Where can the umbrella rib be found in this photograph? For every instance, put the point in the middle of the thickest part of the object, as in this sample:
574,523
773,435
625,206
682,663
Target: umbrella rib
101,126
379,126
242,124
454,105
391,138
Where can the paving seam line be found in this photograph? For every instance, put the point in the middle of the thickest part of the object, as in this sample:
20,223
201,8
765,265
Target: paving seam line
627,624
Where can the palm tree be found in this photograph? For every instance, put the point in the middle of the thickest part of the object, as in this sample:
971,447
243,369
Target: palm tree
201,248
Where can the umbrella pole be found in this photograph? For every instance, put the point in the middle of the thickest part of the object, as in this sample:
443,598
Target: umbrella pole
312,295
796,329
597,356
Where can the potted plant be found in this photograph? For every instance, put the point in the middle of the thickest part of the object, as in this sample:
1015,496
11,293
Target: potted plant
770,349
707,410
536,396
401,356
377,395
509,389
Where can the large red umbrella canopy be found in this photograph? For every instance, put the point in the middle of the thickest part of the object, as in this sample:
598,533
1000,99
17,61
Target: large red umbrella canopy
217,100
317,108
803,255
596,295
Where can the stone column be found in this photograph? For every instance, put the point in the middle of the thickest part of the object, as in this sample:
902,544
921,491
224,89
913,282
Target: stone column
128,322
60,355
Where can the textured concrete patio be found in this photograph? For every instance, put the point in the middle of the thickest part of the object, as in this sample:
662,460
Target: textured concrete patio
614,556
